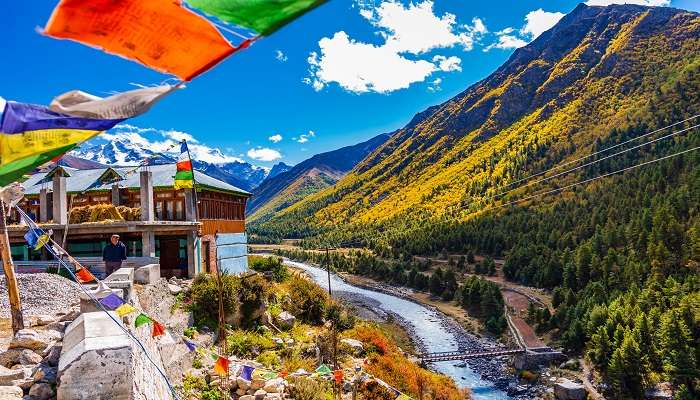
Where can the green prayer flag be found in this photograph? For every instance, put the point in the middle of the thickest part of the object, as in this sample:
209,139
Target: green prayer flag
262,16
214,356
323,369
270,375
141,320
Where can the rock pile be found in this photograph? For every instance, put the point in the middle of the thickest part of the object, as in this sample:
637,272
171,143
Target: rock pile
41,294
28,368
258,389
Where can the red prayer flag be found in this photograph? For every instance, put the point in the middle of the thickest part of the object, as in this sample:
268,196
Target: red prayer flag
338,375
84,276
158,329
160,34
221,366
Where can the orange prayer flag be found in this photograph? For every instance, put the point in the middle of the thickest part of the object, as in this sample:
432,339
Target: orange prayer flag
338,375
221,366
160,34
158,329
84,276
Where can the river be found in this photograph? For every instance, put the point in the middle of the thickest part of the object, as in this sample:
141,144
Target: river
427,326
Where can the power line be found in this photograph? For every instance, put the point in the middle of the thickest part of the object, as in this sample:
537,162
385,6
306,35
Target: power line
602,151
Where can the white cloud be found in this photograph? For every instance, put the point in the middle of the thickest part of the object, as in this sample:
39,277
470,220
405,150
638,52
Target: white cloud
407,32
303,138
264,154
539,21
655,3
178,136
435,85
275,138
507,42
280,56
448,64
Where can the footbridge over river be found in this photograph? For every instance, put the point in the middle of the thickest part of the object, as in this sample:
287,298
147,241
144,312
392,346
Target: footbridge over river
525,358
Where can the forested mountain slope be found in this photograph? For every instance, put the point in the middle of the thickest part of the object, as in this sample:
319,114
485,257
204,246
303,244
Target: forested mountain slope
598,69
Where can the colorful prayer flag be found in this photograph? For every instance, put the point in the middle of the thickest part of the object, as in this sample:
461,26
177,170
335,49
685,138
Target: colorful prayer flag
162,35
247,372
269,375
158,329
125,309
221,366
214,356
184,177
141,320
32,236
84,275
338,375
283,374
403,397
190,345
121,105
31,135
262,16
323,369
111,301
41,241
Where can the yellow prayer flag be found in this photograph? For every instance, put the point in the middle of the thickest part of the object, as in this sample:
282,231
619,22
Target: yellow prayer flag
125,309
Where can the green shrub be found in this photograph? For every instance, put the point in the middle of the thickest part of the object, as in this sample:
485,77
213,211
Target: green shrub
309,389
340,316
307,301
190,332
269,359
248,344
279,271
204,293
254,292
196,387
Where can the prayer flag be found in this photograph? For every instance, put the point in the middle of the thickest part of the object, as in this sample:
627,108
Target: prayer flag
162,35
214,356
221,366
403,397
125,309
262,16
32,236
141,320
158,329
338,375
41,241
323,369
112,301
84,275
247,372
270,375
31,135
283,374
190,345
122,105
184,177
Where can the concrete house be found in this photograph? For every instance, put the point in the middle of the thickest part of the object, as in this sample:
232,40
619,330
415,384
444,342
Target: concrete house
168,230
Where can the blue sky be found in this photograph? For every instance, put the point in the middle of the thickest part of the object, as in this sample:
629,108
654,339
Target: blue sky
347,71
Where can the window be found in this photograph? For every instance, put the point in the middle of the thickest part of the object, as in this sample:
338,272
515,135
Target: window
179,208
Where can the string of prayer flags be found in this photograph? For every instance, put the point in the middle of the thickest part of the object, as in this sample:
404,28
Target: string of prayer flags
162,35
221,365
125,309
31,135
121,105
262,16
158,329
191,346
84,275
141,320
111,301
184,177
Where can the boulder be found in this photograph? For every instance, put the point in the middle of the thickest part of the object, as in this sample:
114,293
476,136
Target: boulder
11,393
259,394
240,391
7,376
174,289
662,391
44,373
11,357
275,385
257,383
147,274
247,397
31,339
41,391
243,383
355,345
273,396
285,319
565,389
52,355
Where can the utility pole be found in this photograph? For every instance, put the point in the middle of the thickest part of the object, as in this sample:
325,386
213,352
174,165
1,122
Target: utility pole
334,335
9,269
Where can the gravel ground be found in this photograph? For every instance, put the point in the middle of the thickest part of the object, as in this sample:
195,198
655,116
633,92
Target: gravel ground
41,294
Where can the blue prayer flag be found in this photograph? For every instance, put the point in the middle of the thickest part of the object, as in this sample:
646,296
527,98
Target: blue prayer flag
247,372
112,301
190,345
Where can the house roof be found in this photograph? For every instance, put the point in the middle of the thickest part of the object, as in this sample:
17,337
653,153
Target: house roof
100,179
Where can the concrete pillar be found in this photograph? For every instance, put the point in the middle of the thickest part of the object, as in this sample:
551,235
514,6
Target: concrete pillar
43,205
191,256
190,214
148,244
147,197
115,195
60,200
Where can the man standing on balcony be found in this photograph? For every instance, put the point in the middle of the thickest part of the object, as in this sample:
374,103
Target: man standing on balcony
113,255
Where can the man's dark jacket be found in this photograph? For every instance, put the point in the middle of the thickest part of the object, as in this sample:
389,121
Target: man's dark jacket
113,252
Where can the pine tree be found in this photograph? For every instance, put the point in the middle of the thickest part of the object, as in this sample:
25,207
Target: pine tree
599,347
677,354
624,369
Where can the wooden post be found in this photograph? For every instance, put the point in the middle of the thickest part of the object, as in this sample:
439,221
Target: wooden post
10,279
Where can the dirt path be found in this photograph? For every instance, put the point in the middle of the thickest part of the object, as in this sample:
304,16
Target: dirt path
586,376
519,303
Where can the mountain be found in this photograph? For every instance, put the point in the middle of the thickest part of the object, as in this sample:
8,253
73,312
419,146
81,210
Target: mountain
598,71
77,162
278,169
122,151
306,178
